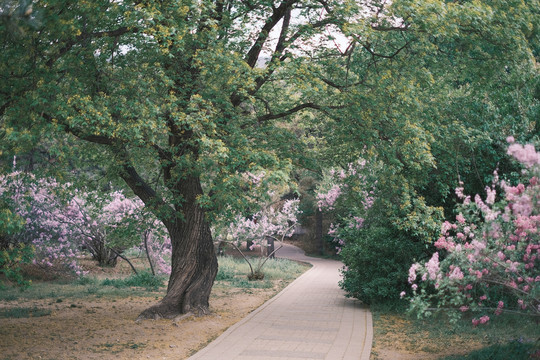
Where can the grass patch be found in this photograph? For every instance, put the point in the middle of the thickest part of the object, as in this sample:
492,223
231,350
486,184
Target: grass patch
234,271
142,279
23,312
74,290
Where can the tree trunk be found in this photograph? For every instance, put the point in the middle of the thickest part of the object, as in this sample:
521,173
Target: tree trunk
319,230
194,261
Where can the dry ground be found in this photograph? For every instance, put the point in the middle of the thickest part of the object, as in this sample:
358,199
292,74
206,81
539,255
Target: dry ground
104,328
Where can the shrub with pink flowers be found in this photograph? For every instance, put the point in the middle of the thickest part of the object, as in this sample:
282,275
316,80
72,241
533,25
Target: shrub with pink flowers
272,222
488,258
346,194
60,222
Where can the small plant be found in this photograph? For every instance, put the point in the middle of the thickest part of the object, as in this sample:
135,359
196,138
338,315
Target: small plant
257,275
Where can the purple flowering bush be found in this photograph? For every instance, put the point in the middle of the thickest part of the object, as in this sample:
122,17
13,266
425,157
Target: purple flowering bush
61,222
487,259
346,195
274,222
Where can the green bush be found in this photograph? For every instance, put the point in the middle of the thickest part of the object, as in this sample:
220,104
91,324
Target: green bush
376,262
11,260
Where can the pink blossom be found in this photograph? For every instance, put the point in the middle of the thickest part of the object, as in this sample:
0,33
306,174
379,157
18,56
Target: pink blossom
459,191
484,319
491,193
326,201
412,272
432,266
456,274
524,154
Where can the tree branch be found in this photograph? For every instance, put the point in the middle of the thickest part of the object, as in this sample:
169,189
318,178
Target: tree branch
278,13
367,46
85,36
297,109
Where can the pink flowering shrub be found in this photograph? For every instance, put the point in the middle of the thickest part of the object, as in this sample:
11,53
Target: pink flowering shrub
489,257
270,222
36,201
346,193
60,222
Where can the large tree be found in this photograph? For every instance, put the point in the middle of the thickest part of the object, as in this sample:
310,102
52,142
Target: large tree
177,98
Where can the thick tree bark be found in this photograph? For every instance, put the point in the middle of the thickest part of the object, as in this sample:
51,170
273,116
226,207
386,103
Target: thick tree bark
194,261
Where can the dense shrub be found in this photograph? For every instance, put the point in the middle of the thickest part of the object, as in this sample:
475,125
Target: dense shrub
376,261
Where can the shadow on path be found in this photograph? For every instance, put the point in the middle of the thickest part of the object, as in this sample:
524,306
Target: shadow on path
310,319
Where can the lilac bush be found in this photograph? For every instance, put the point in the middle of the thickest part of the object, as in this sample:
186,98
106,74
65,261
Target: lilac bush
487,259
270,222
347,194
36,201
61,221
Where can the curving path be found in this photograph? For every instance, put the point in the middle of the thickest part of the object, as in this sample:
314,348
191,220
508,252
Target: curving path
310,319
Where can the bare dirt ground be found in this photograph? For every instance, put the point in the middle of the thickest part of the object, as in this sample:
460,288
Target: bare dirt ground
105,328
393,340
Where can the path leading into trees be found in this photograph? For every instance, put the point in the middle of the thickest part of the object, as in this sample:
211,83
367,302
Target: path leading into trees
309,319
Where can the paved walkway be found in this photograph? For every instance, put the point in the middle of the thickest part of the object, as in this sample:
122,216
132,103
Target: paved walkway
309,319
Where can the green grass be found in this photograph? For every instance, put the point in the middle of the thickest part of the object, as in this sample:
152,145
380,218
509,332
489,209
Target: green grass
23,312
515,350
232,273
142,279
76,290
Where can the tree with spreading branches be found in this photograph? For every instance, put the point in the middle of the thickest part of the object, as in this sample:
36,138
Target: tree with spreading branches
176,98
